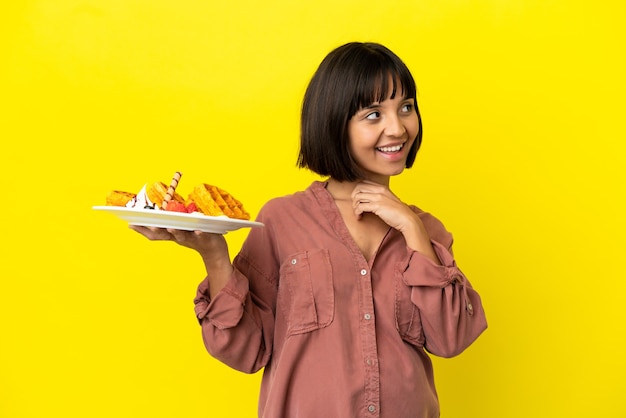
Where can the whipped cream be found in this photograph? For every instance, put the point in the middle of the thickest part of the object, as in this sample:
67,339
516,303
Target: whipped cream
141,201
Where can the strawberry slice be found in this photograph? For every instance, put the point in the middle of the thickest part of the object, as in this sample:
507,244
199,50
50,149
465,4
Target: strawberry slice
174,206
191,207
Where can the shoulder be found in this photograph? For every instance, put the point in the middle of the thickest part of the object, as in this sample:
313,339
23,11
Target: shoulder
435,228
291,207
290,204
281,203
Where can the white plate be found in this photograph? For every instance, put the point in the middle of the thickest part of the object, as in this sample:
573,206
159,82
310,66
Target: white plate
178,220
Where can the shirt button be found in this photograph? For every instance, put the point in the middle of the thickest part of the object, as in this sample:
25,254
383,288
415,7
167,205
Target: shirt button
369,361
293,261
371,408
363,272
367,316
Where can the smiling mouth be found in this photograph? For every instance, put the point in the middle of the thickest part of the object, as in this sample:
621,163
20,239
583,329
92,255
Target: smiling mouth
395,148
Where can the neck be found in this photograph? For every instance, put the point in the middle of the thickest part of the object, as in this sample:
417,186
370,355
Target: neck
342,190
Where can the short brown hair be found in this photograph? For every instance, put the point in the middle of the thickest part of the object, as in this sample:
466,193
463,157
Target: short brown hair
349,78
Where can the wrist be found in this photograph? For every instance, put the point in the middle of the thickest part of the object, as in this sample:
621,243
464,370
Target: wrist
413,230
216,262
417,239
219,271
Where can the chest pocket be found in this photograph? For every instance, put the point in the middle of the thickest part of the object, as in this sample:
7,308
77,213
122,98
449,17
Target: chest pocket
305,292
408,320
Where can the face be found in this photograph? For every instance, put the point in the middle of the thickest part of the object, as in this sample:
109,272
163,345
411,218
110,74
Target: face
381,135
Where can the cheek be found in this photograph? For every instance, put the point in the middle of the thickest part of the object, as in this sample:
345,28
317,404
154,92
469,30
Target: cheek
361,138
413,126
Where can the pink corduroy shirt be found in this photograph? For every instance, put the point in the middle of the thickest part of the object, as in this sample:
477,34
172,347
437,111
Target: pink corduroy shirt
339,336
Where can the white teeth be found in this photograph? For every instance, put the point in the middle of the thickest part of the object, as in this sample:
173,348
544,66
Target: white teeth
391,149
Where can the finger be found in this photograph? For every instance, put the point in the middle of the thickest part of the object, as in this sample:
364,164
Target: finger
368,189
358,212
181,235
361,191
195,231
362,207
358,189
360,198
152,233
377,193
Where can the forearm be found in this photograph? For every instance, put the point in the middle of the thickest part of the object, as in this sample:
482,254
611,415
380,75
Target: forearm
218,275
218,267
417,239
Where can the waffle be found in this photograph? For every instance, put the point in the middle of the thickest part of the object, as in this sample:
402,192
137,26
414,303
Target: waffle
157,191
119,198
213,201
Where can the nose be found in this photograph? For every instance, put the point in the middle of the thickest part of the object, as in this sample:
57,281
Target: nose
394,126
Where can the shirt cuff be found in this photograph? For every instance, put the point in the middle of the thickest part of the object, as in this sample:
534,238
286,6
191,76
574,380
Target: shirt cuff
226,308
419,270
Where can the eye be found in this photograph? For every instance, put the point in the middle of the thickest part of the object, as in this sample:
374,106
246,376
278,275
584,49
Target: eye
407,108
372,115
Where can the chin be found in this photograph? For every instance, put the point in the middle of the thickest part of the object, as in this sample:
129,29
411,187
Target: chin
380,174
396,171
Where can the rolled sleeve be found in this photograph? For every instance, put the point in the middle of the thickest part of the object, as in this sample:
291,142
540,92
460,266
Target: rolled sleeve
226,308
451,311
422,271
237,326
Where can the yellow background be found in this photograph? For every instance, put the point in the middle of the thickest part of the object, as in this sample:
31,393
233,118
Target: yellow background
523,156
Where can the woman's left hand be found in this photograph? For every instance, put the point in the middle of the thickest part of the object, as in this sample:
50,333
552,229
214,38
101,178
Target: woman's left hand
375,198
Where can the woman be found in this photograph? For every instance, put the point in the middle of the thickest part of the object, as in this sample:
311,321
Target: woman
342,293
